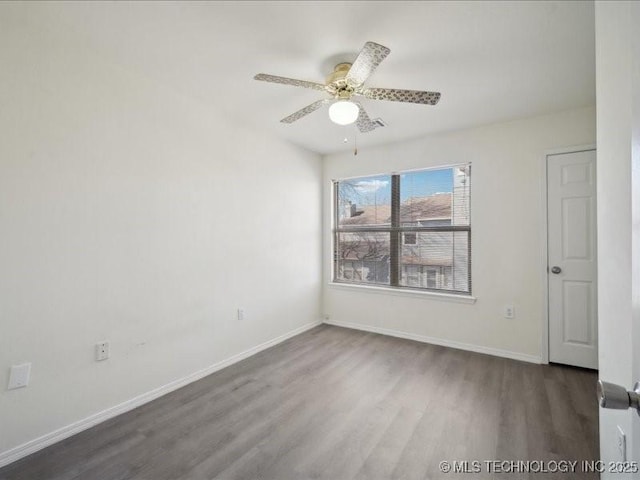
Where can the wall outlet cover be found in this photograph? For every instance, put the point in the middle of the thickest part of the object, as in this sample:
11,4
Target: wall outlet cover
102,351
509,311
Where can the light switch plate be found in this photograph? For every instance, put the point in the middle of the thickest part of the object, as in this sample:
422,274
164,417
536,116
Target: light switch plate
19,376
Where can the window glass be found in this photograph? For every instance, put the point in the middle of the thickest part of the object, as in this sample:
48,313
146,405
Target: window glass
426,196
363,257
410,229
364,201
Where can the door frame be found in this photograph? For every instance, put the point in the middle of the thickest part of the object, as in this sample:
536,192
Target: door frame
544,240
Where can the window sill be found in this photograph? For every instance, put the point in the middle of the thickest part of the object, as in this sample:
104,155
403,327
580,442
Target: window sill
401,292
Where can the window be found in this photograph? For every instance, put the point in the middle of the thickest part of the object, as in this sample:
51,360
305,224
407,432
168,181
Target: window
405,230
410,238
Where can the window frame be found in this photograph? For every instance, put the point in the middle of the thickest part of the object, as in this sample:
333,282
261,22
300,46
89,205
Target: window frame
396,237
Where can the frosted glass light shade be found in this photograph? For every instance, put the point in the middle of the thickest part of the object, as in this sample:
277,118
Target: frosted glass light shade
343,112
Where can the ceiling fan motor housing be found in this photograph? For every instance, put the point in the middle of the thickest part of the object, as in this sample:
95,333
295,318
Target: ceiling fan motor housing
337,83
339,72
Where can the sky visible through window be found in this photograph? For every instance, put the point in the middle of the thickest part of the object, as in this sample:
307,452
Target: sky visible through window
376,190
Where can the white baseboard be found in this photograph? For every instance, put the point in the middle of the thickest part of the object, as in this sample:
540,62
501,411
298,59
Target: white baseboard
439,341
39,443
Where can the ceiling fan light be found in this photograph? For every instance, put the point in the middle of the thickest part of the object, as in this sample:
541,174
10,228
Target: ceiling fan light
343,112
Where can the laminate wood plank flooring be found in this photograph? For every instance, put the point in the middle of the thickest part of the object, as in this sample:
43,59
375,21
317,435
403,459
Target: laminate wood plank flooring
334,403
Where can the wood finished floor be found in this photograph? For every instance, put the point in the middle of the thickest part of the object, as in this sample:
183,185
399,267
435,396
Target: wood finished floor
334,403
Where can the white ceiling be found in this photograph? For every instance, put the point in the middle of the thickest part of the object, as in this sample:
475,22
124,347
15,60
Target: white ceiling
492,61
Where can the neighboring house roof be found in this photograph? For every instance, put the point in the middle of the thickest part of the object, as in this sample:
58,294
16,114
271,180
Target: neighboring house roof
369,215
436,206
369,246
413,209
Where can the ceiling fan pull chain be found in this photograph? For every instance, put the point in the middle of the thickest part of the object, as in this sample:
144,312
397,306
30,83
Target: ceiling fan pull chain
355,141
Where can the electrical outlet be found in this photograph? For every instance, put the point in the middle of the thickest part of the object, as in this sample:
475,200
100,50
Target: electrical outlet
509,311
621,442
102,351
19,376
241,314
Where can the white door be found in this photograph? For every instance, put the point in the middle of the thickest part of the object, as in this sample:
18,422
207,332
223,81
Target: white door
571,216
635,272
634,19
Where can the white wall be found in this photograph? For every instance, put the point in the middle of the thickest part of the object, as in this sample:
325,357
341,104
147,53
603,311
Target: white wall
506,215
133,214
616,28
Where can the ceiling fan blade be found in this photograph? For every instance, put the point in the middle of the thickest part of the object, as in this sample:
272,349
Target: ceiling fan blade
395,95
368,59
290,81
363,122
304,111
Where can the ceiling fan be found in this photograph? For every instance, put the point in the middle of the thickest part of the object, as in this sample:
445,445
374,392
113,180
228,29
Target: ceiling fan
347,81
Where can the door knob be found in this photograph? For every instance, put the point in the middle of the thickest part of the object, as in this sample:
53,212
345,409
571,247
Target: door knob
614,396
556,270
